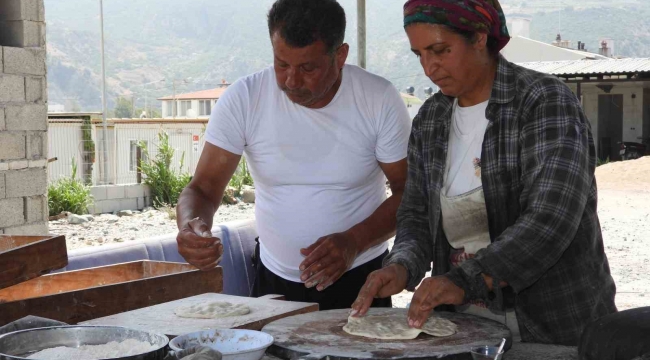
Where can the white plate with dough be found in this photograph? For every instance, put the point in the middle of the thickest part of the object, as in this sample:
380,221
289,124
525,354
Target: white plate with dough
233,344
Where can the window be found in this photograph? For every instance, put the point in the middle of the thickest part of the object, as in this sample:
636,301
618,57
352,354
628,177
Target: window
133,158
205,107
171,112
185,106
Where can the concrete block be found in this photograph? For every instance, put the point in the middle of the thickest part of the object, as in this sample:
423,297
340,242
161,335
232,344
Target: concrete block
4,166
26,118
18,164
35,208
129,204
24,61
36,148
36,229
2,185
42,163
22,33
3,125
41,10
12,146
31,182
147,191
115,192
12,89
35,89
21,10
109,206
99,193
12,212
134,191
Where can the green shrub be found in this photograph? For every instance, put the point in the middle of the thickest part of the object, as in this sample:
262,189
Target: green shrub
241,177
166,184
69,194
602,162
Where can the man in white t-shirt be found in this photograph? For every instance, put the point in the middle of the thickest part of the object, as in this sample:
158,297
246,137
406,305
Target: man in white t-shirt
320,138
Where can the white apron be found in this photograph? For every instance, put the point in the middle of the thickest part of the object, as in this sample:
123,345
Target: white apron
465,223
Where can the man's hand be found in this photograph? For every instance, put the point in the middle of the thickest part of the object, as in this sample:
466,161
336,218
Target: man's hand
327,260
433,291
197,246
382,283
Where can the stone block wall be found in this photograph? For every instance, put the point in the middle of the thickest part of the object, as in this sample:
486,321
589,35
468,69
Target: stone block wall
23,118
113,198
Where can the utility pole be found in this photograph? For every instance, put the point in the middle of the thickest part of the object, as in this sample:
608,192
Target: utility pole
361,33
105,142
174,107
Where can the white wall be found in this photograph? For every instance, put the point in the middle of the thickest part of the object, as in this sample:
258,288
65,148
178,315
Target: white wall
65,142
166,104
632,108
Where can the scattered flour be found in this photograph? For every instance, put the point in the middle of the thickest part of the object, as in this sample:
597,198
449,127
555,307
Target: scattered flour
212,310
111,350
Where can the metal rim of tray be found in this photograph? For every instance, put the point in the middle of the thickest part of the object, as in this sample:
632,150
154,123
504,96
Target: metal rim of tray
161,341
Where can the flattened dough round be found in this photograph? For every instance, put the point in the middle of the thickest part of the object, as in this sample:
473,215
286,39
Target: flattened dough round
396,327
212,310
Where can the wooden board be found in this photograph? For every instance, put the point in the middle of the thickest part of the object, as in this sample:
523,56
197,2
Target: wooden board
83,295
312,336
161,318
27,257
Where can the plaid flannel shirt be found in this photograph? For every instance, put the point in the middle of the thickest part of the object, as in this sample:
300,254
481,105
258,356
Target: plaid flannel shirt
537,168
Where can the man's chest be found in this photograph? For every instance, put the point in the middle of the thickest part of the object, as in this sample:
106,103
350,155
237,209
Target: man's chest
300,149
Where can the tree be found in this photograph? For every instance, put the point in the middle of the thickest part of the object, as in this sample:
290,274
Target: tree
123,108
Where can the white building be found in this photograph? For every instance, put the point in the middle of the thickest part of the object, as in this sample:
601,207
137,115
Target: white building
615,95
523,49
195,105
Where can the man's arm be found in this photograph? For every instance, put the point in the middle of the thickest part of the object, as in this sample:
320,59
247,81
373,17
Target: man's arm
380,226
199,202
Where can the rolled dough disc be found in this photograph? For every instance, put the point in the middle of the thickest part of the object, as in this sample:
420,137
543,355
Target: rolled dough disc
212,310
396,327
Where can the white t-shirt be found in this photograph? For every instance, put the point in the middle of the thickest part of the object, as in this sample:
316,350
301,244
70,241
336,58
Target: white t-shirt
316,171
465,147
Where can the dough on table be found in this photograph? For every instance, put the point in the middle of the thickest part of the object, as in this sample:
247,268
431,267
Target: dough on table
212,310
396,327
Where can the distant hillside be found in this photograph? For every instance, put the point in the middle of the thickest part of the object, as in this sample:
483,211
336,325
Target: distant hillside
211,40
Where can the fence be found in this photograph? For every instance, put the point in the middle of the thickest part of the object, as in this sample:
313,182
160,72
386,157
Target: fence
81,141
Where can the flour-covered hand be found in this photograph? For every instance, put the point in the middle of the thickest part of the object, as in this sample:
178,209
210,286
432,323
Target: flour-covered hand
327,260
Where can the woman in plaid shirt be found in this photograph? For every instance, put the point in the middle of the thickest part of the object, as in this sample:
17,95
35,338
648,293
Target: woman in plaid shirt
501,194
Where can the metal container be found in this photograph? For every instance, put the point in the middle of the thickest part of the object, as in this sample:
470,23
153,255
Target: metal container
21,344
233,344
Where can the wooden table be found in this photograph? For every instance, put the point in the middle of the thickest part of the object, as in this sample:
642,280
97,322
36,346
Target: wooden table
161,318
27,257
82,295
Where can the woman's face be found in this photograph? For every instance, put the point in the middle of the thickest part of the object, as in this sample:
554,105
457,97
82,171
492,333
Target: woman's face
452,62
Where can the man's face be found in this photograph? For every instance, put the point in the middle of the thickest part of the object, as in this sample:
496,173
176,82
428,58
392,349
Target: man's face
307,75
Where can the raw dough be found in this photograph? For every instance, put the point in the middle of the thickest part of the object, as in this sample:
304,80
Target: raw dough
112,350
396,327
212,310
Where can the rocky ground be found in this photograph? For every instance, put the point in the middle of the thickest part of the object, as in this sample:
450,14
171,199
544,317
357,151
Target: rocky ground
624,211
108,228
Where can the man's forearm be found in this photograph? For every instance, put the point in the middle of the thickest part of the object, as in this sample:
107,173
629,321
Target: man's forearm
193,203
378,227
